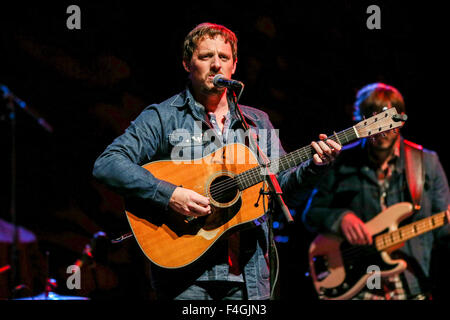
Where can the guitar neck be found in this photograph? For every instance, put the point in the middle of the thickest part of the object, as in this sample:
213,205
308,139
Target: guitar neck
390,239
255,175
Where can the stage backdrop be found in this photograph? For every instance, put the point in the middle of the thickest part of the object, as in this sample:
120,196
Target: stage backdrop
301,63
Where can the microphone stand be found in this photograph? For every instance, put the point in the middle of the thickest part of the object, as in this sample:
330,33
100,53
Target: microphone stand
11,101
15,240
274,194
270,178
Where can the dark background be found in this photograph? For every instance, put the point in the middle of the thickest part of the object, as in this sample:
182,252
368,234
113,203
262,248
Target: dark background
301,63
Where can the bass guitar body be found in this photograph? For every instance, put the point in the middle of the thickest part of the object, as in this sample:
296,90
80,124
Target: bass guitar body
340,270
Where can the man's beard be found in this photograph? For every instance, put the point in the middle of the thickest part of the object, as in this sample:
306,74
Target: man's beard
383,147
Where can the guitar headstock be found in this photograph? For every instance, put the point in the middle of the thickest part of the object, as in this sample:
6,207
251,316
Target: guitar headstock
379,123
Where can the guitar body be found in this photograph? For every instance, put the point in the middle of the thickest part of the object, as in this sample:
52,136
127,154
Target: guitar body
168,239
340,270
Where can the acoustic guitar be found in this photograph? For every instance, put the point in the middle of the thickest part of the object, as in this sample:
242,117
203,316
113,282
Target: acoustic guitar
231,178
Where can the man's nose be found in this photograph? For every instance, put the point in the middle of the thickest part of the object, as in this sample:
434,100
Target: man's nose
215,63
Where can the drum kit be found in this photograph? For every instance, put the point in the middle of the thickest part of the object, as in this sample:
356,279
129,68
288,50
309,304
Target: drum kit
12,102
48,294
12,235
89,253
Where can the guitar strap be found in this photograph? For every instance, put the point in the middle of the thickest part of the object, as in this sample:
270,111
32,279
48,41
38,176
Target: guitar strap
415,174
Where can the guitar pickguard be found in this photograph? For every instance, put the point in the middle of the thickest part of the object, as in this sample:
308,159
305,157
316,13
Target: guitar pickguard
356,261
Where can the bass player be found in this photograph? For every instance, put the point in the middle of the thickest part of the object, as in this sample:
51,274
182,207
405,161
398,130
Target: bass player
370,177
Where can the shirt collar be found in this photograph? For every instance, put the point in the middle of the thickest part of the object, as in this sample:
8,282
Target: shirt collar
186,98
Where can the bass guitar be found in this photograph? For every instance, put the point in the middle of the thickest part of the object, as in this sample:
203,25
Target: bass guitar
340,270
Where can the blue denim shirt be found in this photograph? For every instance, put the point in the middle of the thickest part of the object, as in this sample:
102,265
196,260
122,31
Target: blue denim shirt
154,135
352,185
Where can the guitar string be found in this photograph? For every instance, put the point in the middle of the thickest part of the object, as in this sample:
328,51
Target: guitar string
354,251
420,226
248,175
227,185
251,174
409,232
252,177
247,178
349,252
222,187
297,157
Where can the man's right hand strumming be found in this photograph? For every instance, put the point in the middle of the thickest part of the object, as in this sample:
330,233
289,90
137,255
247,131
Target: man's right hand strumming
189,203
355,230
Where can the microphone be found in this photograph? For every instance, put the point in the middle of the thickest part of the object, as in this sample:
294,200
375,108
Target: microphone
5,93
222,82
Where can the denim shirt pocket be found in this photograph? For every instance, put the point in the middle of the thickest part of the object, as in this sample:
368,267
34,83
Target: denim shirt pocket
186,146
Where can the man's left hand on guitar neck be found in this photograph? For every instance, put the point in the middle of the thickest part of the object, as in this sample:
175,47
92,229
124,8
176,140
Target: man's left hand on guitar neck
326,150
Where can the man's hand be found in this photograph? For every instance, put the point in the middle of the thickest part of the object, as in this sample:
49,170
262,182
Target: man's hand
355,231
447,213
327,150
189,203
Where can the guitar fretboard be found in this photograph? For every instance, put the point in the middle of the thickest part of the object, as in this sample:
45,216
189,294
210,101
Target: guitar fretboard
256,175
409,231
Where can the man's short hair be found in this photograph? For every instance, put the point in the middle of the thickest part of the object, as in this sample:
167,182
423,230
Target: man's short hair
374,97
210,30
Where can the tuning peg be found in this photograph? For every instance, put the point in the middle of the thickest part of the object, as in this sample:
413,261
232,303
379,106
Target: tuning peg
399,117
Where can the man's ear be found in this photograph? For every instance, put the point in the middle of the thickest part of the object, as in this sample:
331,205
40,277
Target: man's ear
234,67
186,66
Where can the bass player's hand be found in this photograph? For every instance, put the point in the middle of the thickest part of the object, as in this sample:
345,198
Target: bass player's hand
355,230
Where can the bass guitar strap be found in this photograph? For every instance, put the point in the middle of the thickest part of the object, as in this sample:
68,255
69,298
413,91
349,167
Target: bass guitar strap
415,174
415,177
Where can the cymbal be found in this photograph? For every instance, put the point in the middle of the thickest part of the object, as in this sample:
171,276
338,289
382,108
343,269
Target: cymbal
53,296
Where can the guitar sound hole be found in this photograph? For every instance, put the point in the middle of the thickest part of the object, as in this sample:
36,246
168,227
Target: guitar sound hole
223,189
